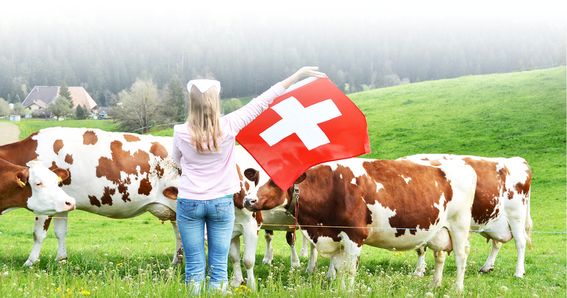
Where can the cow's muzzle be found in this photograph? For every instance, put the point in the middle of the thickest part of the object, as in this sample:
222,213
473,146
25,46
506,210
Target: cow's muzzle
70,205
249,203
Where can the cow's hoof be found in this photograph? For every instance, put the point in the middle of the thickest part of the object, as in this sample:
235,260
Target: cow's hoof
418,273
267,261
177,261
251,285
235,283
29,263
459,288
332,275
519,275
486,269
62,261
295,264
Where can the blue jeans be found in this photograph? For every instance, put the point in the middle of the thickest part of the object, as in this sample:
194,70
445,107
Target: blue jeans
192,217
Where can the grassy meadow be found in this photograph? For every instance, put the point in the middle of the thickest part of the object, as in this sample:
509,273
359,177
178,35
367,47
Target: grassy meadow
514,114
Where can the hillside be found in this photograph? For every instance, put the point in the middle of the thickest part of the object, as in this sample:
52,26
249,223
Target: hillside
511,114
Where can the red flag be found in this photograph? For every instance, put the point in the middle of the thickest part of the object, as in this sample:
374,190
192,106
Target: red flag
306,126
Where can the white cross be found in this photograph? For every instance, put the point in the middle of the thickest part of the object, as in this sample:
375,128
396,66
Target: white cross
296,119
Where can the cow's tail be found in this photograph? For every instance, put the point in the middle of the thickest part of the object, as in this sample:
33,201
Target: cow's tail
529,222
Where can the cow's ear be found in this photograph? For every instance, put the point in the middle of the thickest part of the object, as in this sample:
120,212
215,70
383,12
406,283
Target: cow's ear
62,173
22,177
171,192
252,175
300,178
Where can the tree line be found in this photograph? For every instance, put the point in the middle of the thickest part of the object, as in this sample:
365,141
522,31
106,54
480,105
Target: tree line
249,60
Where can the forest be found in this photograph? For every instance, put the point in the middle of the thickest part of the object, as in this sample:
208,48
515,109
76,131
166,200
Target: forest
249,56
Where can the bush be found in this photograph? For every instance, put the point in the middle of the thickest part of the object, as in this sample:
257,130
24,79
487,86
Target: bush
61,107
4,107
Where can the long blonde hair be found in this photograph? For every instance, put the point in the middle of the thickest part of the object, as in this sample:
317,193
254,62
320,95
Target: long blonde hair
203,119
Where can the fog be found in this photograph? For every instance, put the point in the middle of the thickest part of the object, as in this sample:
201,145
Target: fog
106,45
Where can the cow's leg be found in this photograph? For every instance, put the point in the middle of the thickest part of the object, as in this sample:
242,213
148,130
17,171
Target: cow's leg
305,246
60,226
439,264
289,237
312,256
39,233
519,233
421,265
234,254
178,256
249,257
489,264
459,238
269,254
346,263
332,272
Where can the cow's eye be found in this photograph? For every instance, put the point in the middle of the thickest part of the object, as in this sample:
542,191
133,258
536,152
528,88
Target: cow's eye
38,184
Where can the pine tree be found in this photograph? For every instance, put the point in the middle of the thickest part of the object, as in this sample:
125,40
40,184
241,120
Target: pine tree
64,91
81,113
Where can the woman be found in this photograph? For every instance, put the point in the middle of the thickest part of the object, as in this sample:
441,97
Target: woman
203,147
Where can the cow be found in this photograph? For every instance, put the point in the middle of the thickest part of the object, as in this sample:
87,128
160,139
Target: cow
34,187
396,205
248,223
501,208
118,175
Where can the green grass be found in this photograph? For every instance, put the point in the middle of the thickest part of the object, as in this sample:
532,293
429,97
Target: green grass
516,114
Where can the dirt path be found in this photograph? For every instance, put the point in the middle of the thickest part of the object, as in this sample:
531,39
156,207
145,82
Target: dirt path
9,133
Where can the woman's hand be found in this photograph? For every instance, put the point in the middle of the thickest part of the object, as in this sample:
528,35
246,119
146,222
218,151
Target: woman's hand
304,72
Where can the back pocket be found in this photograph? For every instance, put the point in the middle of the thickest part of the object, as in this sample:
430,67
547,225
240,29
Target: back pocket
225,210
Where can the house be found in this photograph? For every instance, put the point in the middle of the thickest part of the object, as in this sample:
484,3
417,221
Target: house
41,96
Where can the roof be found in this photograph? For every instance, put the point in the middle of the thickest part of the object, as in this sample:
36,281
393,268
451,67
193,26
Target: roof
80,96
47,94
44,93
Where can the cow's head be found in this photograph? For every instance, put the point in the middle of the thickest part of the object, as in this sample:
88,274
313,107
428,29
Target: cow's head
270,196
47,198
249,183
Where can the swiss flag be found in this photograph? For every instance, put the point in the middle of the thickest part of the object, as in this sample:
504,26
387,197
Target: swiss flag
305,126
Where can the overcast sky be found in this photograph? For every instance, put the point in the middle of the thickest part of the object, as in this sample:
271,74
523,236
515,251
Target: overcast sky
141,12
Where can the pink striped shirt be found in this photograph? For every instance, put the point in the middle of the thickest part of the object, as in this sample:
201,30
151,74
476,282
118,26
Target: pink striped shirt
207,176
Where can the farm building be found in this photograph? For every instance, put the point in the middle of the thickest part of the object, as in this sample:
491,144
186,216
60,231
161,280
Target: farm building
41,96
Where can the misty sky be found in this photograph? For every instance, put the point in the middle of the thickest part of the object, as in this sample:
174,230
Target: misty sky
132,16
105,45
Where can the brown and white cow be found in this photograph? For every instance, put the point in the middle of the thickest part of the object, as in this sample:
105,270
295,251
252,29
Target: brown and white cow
33,187
118,175
248,223
397,205
501,208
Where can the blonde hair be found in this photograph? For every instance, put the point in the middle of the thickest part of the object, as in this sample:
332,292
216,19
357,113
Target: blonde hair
203,119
